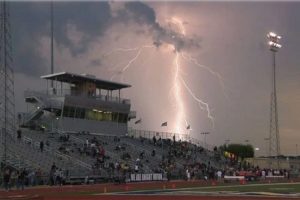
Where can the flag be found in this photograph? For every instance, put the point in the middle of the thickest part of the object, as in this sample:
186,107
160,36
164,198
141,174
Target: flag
188,127
164,124
138,121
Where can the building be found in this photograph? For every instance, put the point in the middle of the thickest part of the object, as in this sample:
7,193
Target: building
271,163
78,103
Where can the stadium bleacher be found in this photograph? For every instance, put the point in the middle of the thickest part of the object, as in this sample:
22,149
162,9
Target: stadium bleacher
86,157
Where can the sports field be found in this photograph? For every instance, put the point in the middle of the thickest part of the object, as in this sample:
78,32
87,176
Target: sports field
179,190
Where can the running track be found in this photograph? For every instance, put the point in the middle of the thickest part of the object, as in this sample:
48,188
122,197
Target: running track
102,192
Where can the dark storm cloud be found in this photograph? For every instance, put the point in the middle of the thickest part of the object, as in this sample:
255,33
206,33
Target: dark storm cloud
145,15
91,18
142,13
95,62
31,20
28,23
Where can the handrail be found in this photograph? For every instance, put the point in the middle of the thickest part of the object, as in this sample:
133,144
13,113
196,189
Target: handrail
57,153
43,98
32,114
69,92
167,135
14,155
70,157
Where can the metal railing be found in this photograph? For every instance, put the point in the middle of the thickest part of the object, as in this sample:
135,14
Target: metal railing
168,135
43,98
57,153
69,92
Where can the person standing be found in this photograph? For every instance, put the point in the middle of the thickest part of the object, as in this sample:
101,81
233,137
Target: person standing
188,174
52,174
21,179
42,146
13,178
6,179
263,174
219,175
19,134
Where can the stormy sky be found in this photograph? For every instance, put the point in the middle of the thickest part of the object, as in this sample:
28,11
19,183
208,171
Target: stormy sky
228,37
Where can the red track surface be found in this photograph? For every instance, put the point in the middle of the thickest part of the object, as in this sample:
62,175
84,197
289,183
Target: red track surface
174,198
82,192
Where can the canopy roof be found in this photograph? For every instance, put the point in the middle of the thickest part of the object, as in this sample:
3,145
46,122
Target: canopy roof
76,79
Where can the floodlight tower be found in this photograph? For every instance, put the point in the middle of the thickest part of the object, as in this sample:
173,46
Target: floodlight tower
205,133
7,105
51,28
274,141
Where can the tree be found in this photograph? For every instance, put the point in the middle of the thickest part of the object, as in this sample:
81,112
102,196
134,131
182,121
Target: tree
241,151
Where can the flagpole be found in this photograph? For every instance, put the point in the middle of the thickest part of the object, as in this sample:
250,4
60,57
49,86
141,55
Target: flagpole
162,140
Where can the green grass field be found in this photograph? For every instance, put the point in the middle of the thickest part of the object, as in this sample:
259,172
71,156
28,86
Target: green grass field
286,188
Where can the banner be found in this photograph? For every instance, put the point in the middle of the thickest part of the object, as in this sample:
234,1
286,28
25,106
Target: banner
145,177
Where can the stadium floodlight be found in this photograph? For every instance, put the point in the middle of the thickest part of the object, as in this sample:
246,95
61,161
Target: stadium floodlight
271,34
274,141
274,41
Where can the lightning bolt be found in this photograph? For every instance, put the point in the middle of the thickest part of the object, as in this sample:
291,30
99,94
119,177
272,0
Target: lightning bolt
178,81
121,50
195,61
139,51
203,105
180,115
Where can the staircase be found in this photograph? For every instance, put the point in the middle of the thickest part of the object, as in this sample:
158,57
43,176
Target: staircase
41,103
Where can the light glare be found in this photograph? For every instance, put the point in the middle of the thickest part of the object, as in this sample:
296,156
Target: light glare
272,34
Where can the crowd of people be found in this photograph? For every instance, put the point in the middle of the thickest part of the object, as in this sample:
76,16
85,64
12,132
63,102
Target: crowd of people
13,178
57,176
176,159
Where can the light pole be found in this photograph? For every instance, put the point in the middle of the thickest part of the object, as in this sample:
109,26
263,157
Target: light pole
296,150
267,140
256,149
227,142
268,155
205,133
274,142
162,140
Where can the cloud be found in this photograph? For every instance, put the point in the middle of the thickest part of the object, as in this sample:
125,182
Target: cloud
144,15
73,28
27,24
74,14
76,30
